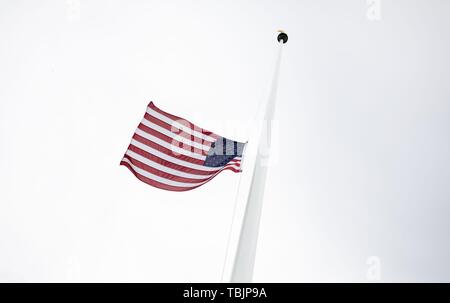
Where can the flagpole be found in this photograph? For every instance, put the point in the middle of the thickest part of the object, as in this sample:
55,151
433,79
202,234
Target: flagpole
242,270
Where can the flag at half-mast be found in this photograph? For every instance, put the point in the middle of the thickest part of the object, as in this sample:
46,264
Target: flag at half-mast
172,153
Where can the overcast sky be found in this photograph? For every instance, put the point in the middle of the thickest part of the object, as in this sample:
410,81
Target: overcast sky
358,190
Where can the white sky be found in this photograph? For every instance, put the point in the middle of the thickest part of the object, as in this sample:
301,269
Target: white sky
362,164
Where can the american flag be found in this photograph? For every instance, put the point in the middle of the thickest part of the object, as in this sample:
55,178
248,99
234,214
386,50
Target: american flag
172,153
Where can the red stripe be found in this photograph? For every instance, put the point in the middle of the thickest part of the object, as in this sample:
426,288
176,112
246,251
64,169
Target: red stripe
169,164
153,182
172,141
232,169
162,174
176,130
183,121
232,165
176,166
166,150
169,187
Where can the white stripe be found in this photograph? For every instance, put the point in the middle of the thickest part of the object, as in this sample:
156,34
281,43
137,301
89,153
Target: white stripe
171,122
174,160
161,179
163,168
173,148
170,158
158,178
172,135
233,166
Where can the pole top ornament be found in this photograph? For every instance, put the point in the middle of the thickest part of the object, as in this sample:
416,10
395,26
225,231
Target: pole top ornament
282,36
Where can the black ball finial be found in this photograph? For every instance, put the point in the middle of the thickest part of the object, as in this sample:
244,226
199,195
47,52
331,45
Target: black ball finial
282,36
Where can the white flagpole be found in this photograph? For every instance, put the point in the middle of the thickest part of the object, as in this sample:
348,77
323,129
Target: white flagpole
244,260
